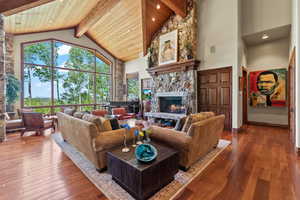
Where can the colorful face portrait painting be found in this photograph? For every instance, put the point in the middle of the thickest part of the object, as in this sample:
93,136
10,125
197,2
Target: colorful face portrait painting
268,88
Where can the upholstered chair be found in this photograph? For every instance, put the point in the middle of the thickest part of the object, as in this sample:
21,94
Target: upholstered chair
34,121
122,114
100,113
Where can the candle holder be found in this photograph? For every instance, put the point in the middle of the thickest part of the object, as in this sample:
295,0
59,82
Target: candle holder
125,149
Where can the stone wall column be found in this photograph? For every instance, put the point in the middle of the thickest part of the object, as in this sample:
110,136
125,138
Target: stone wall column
119,77
2,79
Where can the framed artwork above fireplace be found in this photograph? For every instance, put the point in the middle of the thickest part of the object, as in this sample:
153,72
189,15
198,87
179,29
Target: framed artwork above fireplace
168,48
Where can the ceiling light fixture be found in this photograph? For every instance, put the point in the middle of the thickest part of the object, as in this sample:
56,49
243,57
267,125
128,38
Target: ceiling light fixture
265,36
153,19
157,6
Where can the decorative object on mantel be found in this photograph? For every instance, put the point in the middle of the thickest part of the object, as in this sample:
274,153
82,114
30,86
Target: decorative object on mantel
145,153
174,67
168,48
188,50
151,57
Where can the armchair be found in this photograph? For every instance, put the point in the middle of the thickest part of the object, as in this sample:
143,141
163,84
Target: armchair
122,114
34,122
100,113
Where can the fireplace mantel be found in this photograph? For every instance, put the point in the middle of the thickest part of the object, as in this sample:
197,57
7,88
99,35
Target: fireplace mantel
174,67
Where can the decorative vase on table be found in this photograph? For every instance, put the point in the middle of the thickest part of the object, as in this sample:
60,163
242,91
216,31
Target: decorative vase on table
147,133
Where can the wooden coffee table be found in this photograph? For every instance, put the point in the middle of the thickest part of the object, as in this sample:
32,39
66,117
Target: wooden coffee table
139,179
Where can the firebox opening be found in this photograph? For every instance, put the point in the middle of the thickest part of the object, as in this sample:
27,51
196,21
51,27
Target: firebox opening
171,105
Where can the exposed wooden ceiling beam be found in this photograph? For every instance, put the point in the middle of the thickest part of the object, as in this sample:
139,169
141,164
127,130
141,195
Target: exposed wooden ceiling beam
103,7
178,6
12,7
150,27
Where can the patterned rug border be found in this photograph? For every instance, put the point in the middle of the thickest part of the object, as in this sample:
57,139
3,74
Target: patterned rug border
182,179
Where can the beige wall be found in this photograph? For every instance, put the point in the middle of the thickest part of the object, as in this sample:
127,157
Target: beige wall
219,27
270,55
261,15
65,35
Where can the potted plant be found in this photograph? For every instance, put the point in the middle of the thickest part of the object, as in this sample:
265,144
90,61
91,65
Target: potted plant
189,50
12,91
150,58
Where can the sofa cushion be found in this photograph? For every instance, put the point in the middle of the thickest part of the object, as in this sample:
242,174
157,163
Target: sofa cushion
93,119
196,118
101,123
79,114
12,124
106,126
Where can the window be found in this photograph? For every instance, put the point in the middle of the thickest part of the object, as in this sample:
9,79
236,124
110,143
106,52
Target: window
57,73
132,86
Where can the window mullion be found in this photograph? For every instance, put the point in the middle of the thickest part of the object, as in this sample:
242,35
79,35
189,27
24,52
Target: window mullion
52,77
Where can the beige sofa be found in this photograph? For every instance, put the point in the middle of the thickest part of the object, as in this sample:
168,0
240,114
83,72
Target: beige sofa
86,138
204,130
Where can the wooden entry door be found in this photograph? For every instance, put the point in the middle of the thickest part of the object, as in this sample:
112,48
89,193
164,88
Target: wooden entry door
215,91
292,97
245,96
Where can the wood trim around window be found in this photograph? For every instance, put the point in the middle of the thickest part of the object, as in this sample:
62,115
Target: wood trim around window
52,41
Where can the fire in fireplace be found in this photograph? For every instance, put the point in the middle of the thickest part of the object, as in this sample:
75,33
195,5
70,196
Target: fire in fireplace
172,104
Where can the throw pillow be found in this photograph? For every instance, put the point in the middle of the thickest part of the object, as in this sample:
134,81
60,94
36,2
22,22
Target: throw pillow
114,124
69,111
180,124
187,124
78,114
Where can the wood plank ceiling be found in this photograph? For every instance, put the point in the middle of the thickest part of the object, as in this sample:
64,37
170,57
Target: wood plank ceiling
124,27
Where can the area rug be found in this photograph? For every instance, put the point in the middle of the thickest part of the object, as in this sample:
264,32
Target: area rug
103,181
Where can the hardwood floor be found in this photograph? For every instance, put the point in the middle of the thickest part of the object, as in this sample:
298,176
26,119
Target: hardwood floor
260,165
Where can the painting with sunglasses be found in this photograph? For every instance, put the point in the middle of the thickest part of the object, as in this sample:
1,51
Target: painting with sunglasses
268,88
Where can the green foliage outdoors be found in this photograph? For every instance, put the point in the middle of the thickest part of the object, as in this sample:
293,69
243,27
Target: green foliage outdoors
70,86
133,89
12,89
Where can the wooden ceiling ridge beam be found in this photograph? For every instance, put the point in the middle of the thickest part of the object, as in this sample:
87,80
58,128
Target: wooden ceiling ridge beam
102,8
178,6
8,8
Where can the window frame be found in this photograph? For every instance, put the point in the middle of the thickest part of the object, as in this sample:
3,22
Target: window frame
52,105
134,75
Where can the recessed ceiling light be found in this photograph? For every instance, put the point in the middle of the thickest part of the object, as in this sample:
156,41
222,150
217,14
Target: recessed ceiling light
158,6
153,19
265,36
50,21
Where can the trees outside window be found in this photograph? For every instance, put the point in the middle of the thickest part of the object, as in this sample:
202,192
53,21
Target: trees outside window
132,86
58,74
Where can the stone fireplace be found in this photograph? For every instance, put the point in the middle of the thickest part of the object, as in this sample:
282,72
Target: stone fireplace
175,82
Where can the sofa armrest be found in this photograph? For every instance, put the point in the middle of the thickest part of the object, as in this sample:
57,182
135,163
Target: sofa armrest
176,139
109,139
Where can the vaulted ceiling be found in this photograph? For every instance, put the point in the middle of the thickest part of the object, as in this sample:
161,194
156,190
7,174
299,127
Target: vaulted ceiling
122,27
